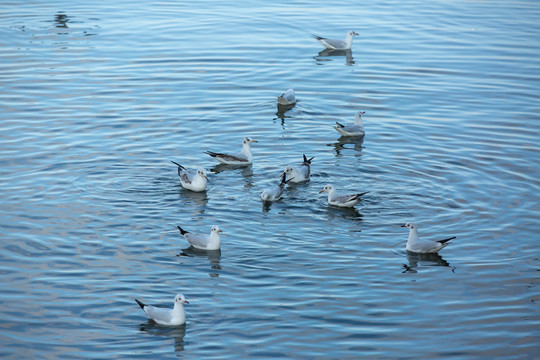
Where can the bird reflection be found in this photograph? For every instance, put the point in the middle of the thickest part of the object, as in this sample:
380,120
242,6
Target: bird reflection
355,141
61,20
326,53
347,213
417,259
246,171
176,332
200,198
214,257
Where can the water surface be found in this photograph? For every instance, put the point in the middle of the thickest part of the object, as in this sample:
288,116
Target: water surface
96,99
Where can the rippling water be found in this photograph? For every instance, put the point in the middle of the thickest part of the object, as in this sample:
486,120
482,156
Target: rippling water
97,98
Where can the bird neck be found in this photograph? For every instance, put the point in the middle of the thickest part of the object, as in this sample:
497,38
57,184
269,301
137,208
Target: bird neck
178,312
246,149
214,239
358,120
413,236
348,40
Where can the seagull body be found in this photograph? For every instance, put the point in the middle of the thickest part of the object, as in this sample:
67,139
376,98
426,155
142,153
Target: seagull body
243,158
194,182
287,98
341,200
203,242
301,173
274,193
415,244
162,316
334,44
354,129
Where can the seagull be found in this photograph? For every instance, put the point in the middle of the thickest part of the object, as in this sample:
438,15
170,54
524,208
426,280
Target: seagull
203,242
242,158
341,200
274,193
354,129
287,98
415,244
194,182
334,44
163,316
299,174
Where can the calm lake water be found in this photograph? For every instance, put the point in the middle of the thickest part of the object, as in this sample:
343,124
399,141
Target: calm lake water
96,98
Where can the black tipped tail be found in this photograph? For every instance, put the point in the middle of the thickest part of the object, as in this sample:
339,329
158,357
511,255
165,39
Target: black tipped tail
361,194
340,125
316,37
182,231
142,305
306,160
211,153
446,240
177,164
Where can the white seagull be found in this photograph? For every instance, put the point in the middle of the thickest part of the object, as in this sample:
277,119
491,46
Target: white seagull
341,200
354,129
203,242
334,44
301,173
194,182
287,98
162,316
415,244
243,158
274,193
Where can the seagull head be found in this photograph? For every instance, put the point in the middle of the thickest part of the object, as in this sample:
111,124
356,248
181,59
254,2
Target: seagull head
327,188
202,172
409,225
216,229
180,299
352,33
248,140
288,170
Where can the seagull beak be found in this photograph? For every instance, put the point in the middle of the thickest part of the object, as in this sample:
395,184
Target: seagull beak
355,33
322,191
186,302
206,177
220,231
403,225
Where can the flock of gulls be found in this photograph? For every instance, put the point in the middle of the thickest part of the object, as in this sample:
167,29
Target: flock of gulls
197,180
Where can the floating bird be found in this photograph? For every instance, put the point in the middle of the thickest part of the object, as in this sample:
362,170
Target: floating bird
203,242
194,182
162,316
415,244
243,158
334,44
274,193
353,129
287,98
301,173
341,200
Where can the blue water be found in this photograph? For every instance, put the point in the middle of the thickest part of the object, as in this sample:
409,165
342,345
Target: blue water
97,98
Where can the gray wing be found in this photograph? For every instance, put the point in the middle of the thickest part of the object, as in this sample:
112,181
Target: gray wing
158,314
185,176
228,157
197,240
336,44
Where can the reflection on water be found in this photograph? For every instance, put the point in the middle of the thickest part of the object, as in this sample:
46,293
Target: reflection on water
417,259
213,256
61,20
199,198
328,53
176,332
344,141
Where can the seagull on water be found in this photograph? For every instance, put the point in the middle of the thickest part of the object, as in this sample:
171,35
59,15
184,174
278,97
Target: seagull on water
287,98
354,129
194,182
203,242
415,244
298,174
341,200
242,158
334,44
162,316
274,193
